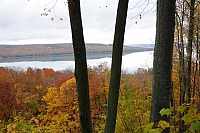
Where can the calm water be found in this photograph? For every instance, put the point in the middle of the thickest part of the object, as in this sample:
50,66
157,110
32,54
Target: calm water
130,63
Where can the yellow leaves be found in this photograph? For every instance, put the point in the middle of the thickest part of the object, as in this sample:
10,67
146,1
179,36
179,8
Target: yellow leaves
62,97
163,124
38,87
11,127
77,125
68,90
63,121
69,84
133,111
70,123
35,120
62,108
52,100
20,125
51,95
160,127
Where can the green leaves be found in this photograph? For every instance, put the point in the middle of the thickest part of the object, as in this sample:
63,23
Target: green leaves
187,117
165,112
148,127
181,109
195,126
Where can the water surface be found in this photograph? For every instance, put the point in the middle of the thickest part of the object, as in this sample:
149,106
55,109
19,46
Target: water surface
130,63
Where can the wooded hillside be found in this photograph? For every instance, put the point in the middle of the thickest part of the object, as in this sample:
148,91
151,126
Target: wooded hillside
55,52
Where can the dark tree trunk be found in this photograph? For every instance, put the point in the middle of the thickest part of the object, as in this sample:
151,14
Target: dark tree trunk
81,73
162,64
189,50
182,77
116,66
198,64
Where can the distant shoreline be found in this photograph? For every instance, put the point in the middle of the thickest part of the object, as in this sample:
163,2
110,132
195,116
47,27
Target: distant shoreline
57,52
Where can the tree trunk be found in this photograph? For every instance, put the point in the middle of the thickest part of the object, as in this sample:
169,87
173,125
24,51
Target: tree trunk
198,57
162,64
189,50
116,66
81,73
182,77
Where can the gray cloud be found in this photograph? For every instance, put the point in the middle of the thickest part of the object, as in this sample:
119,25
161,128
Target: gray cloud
21,22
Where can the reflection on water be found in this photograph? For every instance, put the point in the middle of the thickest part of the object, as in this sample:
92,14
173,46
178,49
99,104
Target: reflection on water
130,62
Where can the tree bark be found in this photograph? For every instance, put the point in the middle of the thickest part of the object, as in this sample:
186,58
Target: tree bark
162,64
182,78
189,50
116,66
81,73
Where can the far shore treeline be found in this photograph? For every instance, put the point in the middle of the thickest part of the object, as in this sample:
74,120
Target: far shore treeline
59,52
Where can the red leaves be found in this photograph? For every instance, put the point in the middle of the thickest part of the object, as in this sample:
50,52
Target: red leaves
7,99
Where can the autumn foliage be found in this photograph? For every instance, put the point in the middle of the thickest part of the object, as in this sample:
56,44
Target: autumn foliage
44,100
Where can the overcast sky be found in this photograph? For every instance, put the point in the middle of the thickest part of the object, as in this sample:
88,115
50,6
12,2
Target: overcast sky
22,23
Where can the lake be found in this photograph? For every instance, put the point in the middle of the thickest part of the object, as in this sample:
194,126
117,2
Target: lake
130,63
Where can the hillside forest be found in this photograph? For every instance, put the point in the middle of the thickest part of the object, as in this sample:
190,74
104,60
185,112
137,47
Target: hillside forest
57,52
47,101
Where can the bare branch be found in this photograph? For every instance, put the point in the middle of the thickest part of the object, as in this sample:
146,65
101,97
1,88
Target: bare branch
52,8
142,5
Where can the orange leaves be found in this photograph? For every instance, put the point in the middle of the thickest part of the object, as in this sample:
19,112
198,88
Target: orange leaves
22,90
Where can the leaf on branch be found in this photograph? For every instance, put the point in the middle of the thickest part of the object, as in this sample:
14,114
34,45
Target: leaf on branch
52,18
44,14
187,117
163,124
148,127
195,126
61,19
181,109
165,112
